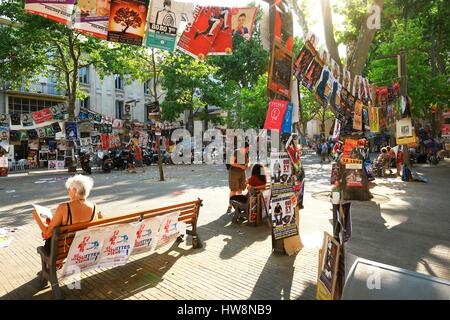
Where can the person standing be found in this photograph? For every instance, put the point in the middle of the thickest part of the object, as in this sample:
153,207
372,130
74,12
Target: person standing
138,157
399,161
236,174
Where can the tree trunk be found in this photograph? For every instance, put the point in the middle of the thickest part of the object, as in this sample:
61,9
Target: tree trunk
155,98
125,30
190,122
329,32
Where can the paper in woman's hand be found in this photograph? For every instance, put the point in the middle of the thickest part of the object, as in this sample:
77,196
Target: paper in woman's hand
44,213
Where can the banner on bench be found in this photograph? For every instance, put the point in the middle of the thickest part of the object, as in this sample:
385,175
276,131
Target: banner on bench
146,235
168,230
84,252
118,245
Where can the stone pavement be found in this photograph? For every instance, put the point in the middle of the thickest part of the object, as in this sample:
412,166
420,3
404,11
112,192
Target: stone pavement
406,225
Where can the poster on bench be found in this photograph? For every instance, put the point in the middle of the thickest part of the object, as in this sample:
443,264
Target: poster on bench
146,235
168,230
84,252
118,245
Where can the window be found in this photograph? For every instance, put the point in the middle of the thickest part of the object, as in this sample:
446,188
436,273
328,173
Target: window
118,81
83,75
119,109
148,87
25,105
85,103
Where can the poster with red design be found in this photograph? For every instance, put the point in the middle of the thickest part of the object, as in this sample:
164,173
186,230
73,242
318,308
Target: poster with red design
275,115
168,230
46,114
223,44
92,17
242,21
127,21
37,117
105,141
56,10
118,245
283,24
84,252
281,69
357,118
199,36
146,235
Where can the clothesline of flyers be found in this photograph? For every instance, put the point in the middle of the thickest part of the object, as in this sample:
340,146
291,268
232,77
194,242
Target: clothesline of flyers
204,29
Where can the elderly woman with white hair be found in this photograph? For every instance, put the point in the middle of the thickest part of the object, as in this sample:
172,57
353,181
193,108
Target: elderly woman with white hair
77,210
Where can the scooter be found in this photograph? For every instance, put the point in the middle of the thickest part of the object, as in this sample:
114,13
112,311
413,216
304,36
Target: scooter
107,163
85,160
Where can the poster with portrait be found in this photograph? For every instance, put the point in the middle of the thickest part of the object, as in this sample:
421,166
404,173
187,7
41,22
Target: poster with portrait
127,21
404,128
84,252
312,41
391,116
358,116
117,246
328,268
275,115
168,230
5,120
312,75
304,59
353,177
347,101
26,119
357,85
242,22
283,216
199,36
324,86
92,17
280,72
56,10
280,173
346,79
283,26
165,21
146,235
324,58
223,44
71,130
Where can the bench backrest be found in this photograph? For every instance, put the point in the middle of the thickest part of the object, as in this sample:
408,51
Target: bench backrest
63,236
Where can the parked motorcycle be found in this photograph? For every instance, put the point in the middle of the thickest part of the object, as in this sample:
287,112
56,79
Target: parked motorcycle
85,160
107,163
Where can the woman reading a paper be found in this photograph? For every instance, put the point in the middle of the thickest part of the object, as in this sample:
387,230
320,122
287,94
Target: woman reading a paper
77,210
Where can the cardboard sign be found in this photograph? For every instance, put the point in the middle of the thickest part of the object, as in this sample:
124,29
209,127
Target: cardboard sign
275,115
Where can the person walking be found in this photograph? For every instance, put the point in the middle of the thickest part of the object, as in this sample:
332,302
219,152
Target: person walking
138,157
236,173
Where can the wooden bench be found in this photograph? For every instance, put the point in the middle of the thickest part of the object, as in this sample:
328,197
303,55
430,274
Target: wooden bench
63,236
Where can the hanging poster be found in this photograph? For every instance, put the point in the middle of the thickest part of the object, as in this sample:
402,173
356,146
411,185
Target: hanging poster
287,119
312,75
32,134
346,79
281,68
165,21
5,120
334,173
49,131
146,235
294,152
71,130
335,97
91,17
304,59
23,135
281,173
374,120
382,117
56,10
283,217
4,134
242,22
223,44
117,246
38,117
41,132
336,129
105,141
84,252
199,36
15,119
354,177
283,24
357,84
168,231
324,86
391,116
404,128
357,118
324,58
46,114
127,21
26,119
382,96
328,268
275,115
347,102
56,127
369,170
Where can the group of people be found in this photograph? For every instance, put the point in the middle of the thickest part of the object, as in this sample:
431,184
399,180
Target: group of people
388,158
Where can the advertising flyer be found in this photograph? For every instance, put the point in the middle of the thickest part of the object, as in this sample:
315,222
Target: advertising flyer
283,217
275,115
242,22
146,235
56,10
281,69
92,17
118,245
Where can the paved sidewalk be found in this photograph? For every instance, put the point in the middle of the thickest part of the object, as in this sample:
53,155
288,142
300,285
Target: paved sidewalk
406,225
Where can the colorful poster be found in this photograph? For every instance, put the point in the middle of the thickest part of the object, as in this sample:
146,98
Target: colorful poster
242,22
168,231
346,79
357,117
4,134
369,170
303,61
5,120
146,235
312,75
354,177
328,266
294,151
33,144
117,246
334,173
336,129
105,141
127,21
374,120
56,127
283,24
283,217
199,36
165,21
287,119
324,86
38,117
275,115
391,116
223,44
26,119
46,114
92,17
357,85
56,10
71,130
281,173
281,69
84,252
49,131
23,135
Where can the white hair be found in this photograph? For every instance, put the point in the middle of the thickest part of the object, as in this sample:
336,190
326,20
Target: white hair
83,185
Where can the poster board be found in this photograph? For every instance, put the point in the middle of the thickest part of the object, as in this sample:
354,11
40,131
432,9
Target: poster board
293,244
329,257
280,71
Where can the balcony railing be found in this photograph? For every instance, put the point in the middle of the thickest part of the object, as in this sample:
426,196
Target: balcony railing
44,88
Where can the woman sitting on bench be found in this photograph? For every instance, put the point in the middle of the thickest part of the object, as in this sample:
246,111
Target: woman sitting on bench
77,210
257,179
